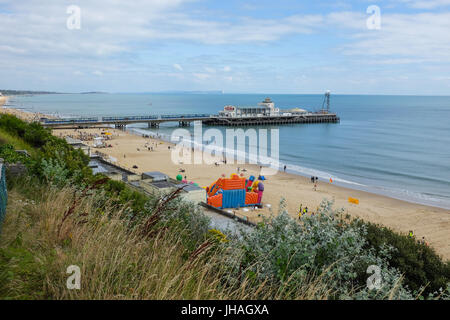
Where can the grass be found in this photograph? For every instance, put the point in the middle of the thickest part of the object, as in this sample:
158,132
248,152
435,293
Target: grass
18,143
116,262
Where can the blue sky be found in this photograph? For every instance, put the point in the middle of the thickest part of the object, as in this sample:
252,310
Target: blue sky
236,46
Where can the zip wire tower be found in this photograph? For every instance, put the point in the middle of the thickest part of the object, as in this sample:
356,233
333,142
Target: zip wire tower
326,101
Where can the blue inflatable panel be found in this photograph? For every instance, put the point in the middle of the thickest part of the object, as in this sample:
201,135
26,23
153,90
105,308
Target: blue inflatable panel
233,198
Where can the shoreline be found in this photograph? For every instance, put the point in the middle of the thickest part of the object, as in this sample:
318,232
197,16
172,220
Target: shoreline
340,182
19,113
426,221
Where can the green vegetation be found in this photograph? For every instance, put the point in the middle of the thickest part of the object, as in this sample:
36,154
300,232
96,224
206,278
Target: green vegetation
418,262
17,143
6,92
135,246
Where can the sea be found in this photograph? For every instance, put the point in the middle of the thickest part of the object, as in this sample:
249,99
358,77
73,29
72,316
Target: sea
398,146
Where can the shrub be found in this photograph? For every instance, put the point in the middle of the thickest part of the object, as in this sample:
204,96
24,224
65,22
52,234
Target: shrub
419,263
283,250
9,154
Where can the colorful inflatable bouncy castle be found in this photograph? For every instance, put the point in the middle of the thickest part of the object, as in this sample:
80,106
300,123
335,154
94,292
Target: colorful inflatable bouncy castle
255,186
260,191
250,182
233,193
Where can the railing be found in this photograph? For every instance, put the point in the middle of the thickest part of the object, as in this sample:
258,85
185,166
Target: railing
184,116
3,193
69,121
168,117
124,118
129,118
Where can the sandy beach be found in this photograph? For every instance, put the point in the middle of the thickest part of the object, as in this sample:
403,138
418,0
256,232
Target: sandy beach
24,115
430,222
150,154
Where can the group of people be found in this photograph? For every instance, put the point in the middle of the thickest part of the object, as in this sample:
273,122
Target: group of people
422,241
151,146
314,180
304,211
84,136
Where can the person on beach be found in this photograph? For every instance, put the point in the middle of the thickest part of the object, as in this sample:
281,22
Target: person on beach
284,168
315,186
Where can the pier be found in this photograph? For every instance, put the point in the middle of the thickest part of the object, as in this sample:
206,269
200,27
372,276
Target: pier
183,120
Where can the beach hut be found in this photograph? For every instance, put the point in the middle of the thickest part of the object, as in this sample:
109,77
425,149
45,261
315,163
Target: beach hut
98,142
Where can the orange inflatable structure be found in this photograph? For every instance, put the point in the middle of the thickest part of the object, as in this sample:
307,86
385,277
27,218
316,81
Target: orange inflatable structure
231,193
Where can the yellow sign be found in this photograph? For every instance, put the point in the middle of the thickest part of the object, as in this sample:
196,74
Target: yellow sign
353,200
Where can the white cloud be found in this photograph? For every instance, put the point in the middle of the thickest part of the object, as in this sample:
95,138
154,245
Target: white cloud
201,76
210,70
427,4
123,37
177,66
405,38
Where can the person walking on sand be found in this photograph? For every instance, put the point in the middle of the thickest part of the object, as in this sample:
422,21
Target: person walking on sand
284,168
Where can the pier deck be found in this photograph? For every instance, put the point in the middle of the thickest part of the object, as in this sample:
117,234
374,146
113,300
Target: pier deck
187,119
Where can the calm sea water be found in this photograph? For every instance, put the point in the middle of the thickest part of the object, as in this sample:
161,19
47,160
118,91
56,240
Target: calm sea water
393,145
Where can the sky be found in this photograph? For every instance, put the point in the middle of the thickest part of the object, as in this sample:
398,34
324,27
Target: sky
255,46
